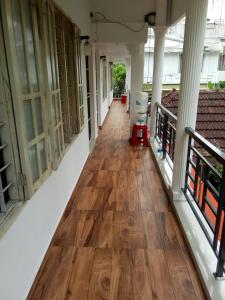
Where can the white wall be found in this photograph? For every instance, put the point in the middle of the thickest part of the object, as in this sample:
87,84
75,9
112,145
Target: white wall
24,245
171,74
103,104
172,63
115,33
110,92
220,76
178,10
94,89
103,101
79,12
148,67
110,97
124,11
25,242
209,70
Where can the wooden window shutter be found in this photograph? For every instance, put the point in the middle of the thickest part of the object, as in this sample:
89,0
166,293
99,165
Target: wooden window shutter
51,77
79,82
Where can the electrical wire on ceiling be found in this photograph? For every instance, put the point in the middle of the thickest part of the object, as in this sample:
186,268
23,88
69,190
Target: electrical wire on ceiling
107,20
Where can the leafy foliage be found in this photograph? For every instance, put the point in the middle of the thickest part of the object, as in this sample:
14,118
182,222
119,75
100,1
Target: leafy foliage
219,85
214,179
211,85
119,76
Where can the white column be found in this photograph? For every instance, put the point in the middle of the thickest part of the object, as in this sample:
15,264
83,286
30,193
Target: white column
136,75
160,32
196,16
128,70
128,80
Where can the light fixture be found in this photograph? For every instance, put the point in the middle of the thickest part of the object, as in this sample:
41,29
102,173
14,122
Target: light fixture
84,38
103,57
150,18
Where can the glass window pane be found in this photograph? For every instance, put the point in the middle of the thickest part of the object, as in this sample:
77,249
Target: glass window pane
19,44
81,95
81,116
53,56
33,163
28,119
54,110
49,52
61,138
43,155
57,143
38,112
58,108
49,66
30,46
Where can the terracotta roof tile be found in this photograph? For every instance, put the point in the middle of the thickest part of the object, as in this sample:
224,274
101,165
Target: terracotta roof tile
210,115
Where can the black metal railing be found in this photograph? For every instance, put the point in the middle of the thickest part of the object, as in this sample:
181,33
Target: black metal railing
205,192
165,132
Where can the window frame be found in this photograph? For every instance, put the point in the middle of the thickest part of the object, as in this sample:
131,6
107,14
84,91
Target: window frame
104,78
19,98
67,68
221,62
111,70
79,77
10,165
45,55
47,24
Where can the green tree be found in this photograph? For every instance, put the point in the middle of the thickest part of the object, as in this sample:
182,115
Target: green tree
119,76
222,84
219,85
211,85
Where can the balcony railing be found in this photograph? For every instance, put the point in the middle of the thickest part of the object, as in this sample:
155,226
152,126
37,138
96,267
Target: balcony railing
166,132
205,192
204,186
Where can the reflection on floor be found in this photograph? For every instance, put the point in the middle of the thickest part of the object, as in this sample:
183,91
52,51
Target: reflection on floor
118,238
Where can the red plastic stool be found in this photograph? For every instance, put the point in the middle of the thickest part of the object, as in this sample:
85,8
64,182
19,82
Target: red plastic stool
139,135
124,99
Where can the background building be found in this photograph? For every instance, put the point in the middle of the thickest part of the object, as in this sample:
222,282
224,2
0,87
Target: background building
213,65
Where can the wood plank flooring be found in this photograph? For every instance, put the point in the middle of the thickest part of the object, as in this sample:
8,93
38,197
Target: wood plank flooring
118,237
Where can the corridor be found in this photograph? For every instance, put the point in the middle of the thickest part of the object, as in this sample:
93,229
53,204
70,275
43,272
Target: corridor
118,237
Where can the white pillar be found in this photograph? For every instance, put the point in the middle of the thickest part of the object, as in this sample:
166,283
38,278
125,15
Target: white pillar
128,80
160,33
136,75
128,70
196,16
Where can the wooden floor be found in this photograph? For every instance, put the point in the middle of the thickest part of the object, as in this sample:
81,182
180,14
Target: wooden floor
118,238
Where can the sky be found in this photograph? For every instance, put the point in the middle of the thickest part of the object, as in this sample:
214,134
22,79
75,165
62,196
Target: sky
216,10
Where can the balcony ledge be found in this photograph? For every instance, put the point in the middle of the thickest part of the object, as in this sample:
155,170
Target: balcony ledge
201,251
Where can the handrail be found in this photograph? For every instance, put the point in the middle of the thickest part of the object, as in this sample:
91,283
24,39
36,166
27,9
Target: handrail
204,186
166,132
166,111
213,150
198,177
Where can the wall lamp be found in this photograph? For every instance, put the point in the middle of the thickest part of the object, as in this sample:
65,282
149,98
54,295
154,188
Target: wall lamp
150,18
84,38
